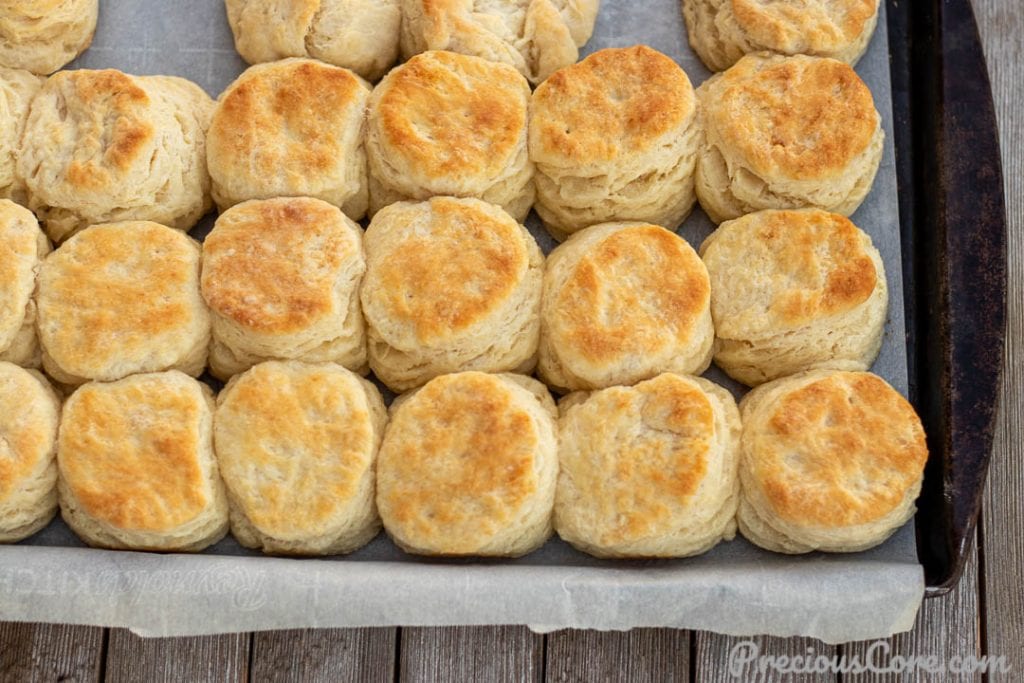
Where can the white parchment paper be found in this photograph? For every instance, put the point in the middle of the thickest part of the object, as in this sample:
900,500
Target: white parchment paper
735,589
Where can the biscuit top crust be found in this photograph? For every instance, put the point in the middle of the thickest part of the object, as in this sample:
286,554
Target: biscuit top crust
806,26
29,412
801,118
130,451
444,116
274,266
294,443
774,271
635,292
839,451
438,269
616,103
459,461
20,253
17,88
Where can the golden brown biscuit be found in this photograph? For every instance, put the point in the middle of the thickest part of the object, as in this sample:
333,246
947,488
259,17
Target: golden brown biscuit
137,468
451,284
786,133
614,138
792,290
29,414
122,298
44,35
281,278
623,302
22,247
291,128
297,444
648,470
468,466
449,124
17,88
830,461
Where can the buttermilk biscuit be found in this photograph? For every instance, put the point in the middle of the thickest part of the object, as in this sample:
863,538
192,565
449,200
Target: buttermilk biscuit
722,31
648,470
122,298
29,413
451,284
829,460
44,35
623,302
786,133
361,35
22,247
281,278
537,37
296,444
137,468
287,129
468,466
448,124
792,290
17,88
614,137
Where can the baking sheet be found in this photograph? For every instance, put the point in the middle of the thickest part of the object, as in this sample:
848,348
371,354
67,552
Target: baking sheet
735,589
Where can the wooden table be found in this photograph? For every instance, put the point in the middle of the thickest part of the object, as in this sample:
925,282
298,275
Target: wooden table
984,615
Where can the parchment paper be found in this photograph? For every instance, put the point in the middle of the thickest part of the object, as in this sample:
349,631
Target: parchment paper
735,589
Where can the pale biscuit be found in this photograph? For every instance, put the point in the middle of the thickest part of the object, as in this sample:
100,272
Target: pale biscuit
119,299
44,35
361,35
829,461
449,124
291,128
786,133
451,285
615,138
468,466
22,248
297,445
794,290
623,302
648,470
722,31
29,414
537,37
17,88
281,278
103,146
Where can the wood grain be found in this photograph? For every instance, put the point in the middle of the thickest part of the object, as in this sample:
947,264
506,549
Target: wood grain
208,658
33,653
643,654
483,653
711,658
324,655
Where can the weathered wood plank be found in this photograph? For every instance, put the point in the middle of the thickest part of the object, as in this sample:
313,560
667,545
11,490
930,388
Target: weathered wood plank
324,655
34,653
208,658
712,658
644,654
489,653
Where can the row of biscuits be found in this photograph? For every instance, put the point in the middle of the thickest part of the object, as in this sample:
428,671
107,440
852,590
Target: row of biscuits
620,136
441,286
303,459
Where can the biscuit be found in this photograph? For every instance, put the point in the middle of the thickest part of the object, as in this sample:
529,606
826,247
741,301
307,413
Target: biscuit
17,88
623,302
296,444
103,146
794,290
649,470
137,467
786,133
29,414
722,31
281,278
361,35
448,124
537,37
22,247
468,466
119,299
41,36
451,285
830,460
614,138
290,129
